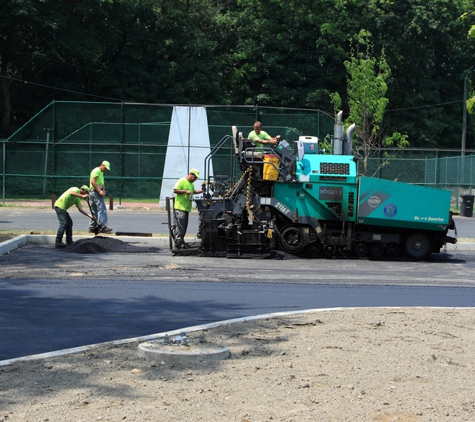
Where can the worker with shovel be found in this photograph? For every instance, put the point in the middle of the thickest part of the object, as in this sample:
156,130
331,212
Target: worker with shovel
69,198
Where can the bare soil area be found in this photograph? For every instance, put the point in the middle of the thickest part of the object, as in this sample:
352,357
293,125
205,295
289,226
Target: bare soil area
370,364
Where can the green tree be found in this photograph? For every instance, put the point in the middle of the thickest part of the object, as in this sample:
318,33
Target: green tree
267,52
20,19
366,89
288,53
469,15
153,51
426,48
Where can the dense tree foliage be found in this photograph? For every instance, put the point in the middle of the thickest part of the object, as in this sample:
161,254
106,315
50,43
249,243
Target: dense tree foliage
288,53
470,15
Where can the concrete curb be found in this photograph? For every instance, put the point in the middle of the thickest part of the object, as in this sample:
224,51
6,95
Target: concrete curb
161,335
462,246
12,244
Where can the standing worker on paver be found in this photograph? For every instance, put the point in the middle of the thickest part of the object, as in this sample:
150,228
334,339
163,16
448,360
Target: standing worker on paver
184,189
259,137
97,193
69,198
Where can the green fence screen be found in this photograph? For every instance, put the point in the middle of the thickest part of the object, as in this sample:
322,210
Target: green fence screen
59,146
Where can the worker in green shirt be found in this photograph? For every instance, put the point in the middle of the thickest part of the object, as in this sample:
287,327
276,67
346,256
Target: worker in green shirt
259,137
97,187
184,190
69,198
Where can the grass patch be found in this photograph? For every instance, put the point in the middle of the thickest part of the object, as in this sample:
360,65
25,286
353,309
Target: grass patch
26,205
10,234
147,201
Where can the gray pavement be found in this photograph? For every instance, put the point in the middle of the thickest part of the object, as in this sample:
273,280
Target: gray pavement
126,220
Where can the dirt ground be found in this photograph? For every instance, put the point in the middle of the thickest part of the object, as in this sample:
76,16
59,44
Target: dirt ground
370,364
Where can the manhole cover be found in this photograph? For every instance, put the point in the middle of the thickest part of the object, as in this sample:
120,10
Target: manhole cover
174,351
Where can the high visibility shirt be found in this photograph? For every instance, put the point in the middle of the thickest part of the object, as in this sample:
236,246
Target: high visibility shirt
183,200
254,137
66,200
100,177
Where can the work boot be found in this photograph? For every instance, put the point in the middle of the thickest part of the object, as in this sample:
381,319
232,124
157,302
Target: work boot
59,245
105,229
92,230
69,242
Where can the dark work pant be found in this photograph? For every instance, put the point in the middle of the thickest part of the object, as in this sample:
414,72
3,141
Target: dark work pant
181,224
65,225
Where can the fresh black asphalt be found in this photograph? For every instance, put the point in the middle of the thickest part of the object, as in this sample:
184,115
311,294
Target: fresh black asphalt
44,316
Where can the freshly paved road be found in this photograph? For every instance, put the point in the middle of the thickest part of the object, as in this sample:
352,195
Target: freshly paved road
43,316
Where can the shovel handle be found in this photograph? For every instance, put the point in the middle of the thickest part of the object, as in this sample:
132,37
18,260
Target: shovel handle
90,209
96,229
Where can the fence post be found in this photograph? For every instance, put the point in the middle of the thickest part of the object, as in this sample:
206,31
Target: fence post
459,177
3,174
53,200
436,166
111,202
426,169
380,167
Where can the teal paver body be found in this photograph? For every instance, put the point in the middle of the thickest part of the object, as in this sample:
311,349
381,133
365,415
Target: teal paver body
393,204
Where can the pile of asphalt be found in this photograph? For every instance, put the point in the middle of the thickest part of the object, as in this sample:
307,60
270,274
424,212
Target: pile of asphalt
103,244
281,256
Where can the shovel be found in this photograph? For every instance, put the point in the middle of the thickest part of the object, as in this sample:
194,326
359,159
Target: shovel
96,229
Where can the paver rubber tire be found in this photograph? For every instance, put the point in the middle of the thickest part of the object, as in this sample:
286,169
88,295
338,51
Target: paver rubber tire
418,246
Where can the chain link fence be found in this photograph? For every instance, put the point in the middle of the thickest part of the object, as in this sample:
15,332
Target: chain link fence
59,146
442,169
